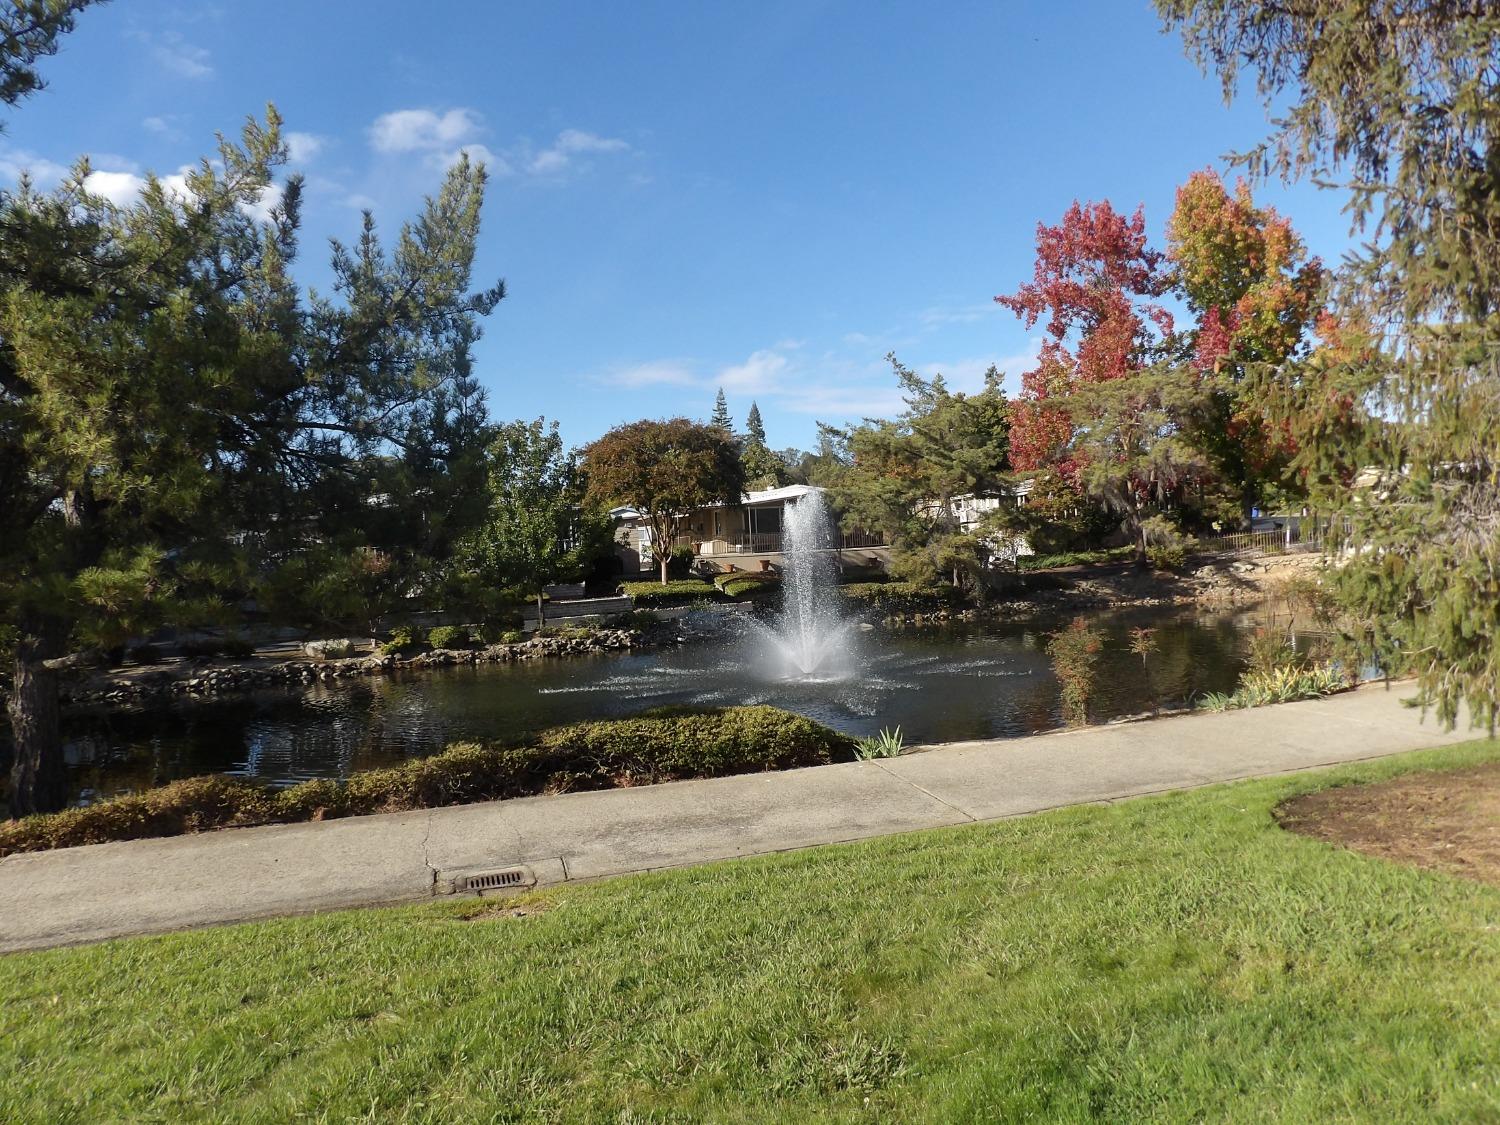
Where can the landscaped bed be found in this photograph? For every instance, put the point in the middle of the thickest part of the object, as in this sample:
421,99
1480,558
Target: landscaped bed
1170,958
668,744
1447,821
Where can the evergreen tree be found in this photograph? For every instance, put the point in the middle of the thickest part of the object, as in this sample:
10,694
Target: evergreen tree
29,31
531,534
755,429
900,477
170,411
1401,102
763,469
720,416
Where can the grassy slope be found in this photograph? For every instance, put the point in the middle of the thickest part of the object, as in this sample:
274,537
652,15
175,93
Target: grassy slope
1175,957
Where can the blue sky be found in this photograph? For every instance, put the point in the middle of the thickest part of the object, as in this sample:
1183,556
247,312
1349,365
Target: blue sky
765,197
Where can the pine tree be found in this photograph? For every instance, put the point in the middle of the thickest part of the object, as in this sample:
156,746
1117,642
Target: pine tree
755,429
165,396
763,469
29,31
720,417
1401,102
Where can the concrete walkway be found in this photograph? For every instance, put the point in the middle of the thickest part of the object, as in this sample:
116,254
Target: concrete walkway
150,886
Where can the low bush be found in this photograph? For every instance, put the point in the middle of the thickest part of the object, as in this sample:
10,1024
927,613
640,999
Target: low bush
336,649
238,647
564,632
886,744
403,640
636,620
678,592
500,624
450,636
1287,684
893,597
513,637
199,647
748,584
1075,558
680,562
663,745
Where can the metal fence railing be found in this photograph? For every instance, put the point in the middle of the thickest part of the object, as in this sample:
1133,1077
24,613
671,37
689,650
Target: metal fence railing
1302,535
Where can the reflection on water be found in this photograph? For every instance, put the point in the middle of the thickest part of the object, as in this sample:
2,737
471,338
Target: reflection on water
960,683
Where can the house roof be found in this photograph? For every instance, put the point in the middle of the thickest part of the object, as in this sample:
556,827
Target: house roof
778,495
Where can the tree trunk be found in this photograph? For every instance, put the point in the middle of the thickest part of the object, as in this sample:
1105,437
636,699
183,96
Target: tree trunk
38,782
664,568
541,612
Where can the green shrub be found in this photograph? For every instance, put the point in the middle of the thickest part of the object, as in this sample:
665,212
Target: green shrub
337,649
238,647
748,584
895,597
1261,687
500,623
193,804
403,640
1075,558
680,562
449,636
662,745
678,592
635,620
886,744
565,632
513,637
197,647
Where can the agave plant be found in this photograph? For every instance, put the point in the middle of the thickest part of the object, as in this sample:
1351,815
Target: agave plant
886,744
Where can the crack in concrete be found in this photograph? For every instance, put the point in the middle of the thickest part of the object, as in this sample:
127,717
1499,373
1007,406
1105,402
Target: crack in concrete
432,872
925,792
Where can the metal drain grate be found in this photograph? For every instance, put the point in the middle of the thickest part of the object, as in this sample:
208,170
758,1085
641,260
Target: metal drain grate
498,880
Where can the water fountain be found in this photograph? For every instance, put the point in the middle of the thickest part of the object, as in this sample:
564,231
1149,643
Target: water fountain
813,638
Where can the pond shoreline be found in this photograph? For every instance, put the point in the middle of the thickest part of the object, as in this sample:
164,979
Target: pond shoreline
218,677
1217,583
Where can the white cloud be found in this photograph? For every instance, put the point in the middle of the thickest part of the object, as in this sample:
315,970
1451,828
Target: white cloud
940,315
159,125
422,130
44,172
176,56
759,374
494,163
570,143
658,373
260,210
120,188
303,147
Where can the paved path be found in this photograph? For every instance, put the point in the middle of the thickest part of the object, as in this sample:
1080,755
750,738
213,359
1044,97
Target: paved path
149,886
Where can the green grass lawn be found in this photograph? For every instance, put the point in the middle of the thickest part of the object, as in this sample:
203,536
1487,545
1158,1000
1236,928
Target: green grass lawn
1176,958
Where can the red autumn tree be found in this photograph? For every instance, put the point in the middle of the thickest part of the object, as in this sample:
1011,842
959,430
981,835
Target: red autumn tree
1093,285
1255,295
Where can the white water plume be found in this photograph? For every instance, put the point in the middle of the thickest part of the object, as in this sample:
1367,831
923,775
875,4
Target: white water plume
813,640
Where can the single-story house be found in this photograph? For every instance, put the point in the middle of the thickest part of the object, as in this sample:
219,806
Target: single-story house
742,536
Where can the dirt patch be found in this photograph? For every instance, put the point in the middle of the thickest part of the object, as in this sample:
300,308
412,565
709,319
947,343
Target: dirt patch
492,911
1443,820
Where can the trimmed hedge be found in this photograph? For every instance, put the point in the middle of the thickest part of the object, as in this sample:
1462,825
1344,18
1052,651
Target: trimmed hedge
663,745
902,596
450,636
747,584
676,592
